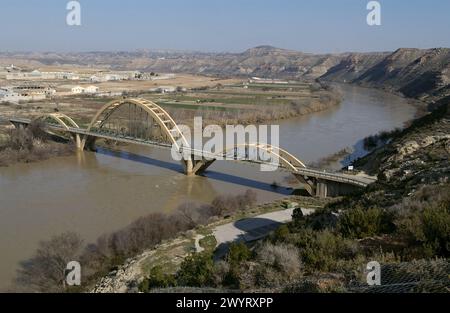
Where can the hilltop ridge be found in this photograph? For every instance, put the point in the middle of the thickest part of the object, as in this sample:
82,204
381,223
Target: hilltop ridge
418,73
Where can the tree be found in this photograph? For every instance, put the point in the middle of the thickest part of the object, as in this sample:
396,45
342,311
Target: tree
45,271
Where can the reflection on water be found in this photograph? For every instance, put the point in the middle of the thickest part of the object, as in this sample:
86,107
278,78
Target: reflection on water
94,193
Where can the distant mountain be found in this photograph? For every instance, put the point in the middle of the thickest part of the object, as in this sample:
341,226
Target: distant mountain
265,61
413,72
353,66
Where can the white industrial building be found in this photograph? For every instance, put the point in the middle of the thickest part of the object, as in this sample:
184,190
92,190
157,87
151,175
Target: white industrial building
82,90
25,93
77,90
163,89
100,76
91,89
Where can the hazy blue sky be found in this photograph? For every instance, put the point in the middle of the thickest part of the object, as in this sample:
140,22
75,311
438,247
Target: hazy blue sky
232,25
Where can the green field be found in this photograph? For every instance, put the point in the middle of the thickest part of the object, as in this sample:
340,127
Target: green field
236,97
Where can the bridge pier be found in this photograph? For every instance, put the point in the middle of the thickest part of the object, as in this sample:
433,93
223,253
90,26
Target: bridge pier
18,125
196,167
334,189
188,167
308,182
78,142
85,143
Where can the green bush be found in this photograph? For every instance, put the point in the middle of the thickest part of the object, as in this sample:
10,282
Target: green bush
321,219
361,223
436,229
157,279
208,243
281,233
426,228
196,270
238,253
427,231
321,250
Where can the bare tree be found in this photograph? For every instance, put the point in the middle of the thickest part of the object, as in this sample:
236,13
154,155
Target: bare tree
45,271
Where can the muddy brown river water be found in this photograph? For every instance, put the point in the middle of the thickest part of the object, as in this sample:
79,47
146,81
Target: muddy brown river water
93,193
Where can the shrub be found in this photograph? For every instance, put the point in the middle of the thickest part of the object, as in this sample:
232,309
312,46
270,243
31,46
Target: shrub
284,258
221,270
30,145
208,243
436,229
157,279
281,233
227,204
321,250
425,224
361,223
324,283
194,214
238,253
196,270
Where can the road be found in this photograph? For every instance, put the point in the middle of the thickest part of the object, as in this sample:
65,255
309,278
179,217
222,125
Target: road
254,228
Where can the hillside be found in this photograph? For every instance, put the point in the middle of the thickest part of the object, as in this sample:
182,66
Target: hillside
414,72
402,222
264,61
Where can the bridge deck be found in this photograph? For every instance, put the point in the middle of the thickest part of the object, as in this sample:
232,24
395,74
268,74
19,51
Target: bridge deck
357,180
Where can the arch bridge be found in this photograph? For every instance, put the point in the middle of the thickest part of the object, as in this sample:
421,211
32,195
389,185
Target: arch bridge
143,122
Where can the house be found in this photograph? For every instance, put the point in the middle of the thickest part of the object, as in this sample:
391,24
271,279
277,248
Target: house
77,90
22,93
95,79
91,89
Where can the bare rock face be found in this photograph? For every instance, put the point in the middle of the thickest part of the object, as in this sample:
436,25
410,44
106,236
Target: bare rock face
412,146
125,279
407,149
413,156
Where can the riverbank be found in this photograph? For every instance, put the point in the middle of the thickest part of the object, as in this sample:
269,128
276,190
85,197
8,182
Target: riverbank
247,103
402,222
168,256
168,237
30,145
364,146
110,189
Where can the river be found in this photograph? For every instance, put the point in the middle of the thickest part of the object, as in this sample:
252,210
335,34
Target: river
94,193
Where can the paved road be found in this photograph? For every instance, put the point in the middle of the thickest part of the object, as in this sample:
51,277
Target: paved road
253,228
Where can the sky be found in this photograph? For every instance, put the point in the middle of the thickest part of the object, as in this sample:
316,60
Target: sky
316,26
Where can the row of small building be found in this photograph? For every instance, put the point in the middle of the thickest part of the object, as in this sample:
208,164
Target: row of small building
12,73
35,92
25,93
